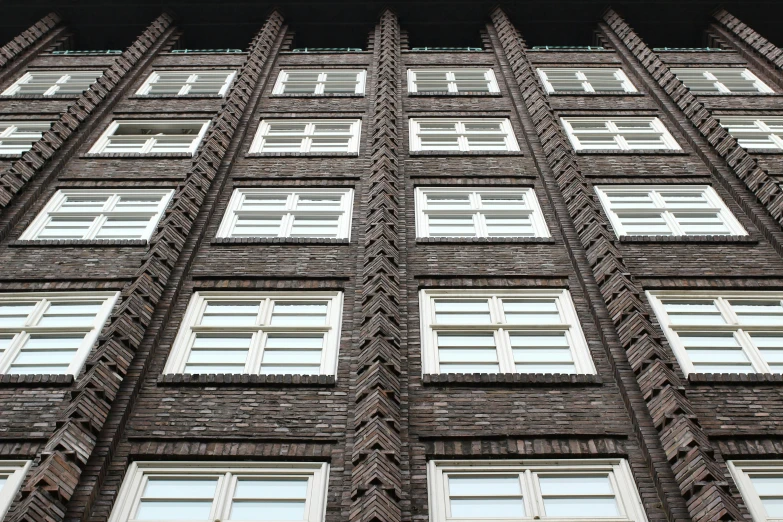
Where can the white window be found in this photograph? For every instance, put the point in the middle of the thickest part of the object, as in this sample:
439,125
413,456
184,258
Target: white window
726,332
556,490
259,333
293,135
151,137
501,331
181,83
763,132
621,133
484,212
673,210
99,214
50,83
453,80
560,79
723,80
324,81
462,135
50,333
285,213
17,137
12,473
207,491
761,484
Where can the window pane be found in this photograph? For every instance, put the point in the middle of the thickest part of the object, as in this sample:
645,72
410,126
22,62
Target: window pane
759,312
67,227
219,313
506,226
296,354
299,313
219,353
70,314
462,312
43,354
695,312
315,226
578,496
14,315
451,226
531,311
467,353
542,352
252,226
771,348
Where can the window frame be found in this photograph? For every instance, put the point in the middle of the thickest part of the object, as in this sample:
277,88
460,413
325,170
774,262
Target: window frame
183,342
625,82
323,74
618,470
55,87
739,470
479,218
415,140
41,299
38,225
344,221
129,494
306,137
761,127
758,365
707,73
155,76
6,127
580,352
612,130
16,470
101,143
728,217
453,88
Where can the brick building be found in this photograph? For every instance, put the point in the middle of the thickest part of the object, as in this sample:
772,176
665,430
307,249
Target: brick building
392,282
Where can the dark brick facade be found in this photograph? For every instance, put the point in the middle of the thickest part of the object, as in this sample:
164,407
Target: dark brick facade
379,420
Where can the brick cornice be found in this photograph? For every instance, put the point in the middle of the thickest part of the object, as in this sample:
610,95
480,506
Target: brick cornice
684,443
769,51
52,483
27,39
376,478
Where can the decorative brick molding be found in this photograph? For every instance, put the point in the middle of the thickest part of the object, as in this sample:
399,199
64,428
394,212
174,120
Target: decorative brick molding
687,449
16,47
765,187
53,481
204,449
567,446
762,46
13,180
376,479
756,448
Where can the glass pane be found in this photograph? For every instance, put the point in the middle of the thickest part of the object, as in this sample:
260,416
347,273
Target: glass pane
481,486
507,226
251,226
315,226
759,312
451,226
771,347
70,314
219,313
693,312
13,315
462,312
190,511
200,488
467,353
581,507
486,508
531,311
299,313
70,227
578,496
219,353
247,488
454,200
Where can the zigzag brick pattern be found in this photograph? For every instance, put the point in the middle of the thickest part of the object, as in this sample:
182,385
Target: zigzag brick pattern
765,187
376,476
33,161
690,455
52,483
16,47
761,45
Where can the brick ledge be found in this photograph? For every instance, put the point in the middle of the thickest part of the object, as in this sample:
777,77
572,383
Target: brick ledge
79,243
736,378
689,239
485,240
238,241
232,379
47,379
513,379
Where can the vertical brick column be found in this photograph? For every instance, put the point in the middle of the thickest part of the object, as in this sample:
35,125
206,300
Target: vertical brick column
30,40
52,482
376,481
684,443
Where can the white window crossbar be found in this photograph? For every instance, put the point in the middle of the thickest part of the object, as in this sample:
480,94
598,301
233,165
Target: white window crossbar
99,214
313,136
207,491
17,137
721,80
259,333
501,331
184,83
674,210
50,333
51,83
730,332
759,132
479,212
475,134
316,213
151,137
561,79
553,490
761,485
324,81
620,133
452,80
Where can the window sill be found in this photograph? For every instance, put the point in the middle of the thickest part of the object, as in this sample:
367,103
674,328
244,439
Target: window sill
736,94
635,152
238,241
764,151
306,95
688,239
483,153
302,155
595,94
39,379
234,379
485,240
37,243
42,97
136,155
175,96
736,378
452,94
511,379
